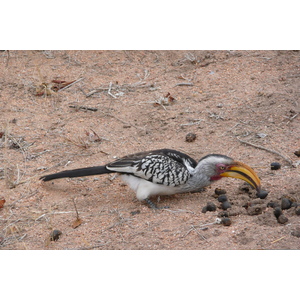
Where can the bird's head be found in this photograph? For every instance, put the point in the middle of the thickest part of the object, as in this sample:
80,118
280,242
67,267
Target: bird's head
219,166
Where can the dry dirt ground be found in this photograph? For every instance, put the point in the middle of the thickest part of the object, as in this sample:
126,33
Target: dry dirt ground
123,103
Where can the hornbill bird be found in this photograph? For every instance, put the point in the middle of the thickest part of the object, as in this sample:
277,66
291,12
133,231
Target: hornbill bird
167,172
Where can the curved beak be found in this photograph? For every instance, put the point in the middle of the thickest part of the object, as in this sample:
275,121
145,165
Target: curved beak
244,172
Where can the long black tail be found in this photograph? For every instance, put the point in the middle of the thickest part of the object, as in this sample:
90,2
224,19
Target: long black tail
77,173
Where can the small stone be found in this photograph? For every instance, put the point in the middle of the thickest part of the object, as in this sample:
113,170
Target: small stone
222,198
225,205
190,137
220,191
282,219
286,203
211,206
254,210
262,194
296,232
261,135
226,221
273,204
54,235
222,214
275,166
297,153
277,212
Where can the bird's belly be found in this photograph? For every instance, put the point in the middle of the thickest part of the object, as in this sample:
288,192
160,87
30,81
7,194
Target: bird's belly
145,189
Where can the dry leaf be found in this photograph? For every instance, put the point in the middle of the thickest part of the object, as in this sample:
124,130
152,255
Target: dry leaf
2,201
76,223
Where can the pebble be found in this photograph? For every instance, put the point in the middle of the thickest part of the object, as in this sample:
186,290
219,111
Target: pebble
275,166
223,214
225,205
273,204
220,191
226,221
54,235
297,153
296,232
254,210
282,219
222,198
190,137
277,212
262,194
211,206
286,203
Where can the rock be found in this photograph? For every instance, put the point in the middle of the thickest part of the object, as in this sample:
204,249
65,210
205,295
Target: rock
275,166
190,137
225,205
262,194
296,232
220,191
211,206
277,212
282,219
254,210
222,198
226,221
54,235
286,203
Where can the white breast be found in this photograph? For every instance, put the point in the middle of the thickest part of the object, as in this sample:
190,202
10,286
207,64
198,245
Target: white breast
145,189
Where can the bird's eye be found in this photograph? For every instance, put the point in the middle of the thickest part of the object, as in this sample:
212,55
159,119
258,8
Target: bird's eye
222,168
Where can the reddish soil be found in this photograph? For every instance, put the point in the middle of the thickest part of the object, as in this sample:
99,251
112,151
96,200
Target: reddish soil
224,97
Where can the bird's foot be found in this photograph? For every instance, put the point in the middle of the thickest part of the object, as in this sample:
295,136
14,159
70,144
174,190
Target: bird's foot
153,205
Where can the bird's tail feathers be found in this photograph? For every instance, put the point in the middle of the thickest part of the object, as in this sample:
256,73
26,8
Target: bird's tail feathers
78,173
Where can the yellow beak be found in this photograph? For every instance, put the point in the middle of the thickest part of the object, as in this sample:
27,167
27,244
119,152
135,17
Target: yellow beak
244,172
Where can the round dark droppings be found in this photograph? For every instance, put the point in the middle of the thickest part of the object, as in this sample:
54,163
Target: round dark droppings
298,212
296,232
272,204
282,219
225,205
226,221
223,214
220,191
275,166
286,203
297,153
277,212
211,206
222,198
262,194
204,209
190,137
54,235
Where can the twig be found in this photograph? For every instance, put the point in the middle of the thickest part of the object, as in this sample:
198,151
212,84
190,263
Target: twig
195,122
269,150
278,240
230,129
77,214
88,248
69,85
109,91
184,84
83,107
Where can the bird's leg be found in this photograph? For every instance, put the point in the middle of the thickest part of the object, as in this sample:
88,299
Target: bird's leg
154,206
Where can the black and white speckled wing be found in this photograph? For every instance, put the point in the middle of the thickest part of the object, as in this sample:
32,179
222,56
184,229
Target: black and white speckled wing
165,166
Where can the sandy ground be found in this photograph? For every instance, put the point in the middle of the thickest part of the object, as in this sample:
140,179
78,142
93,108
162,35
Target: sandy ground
119,106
